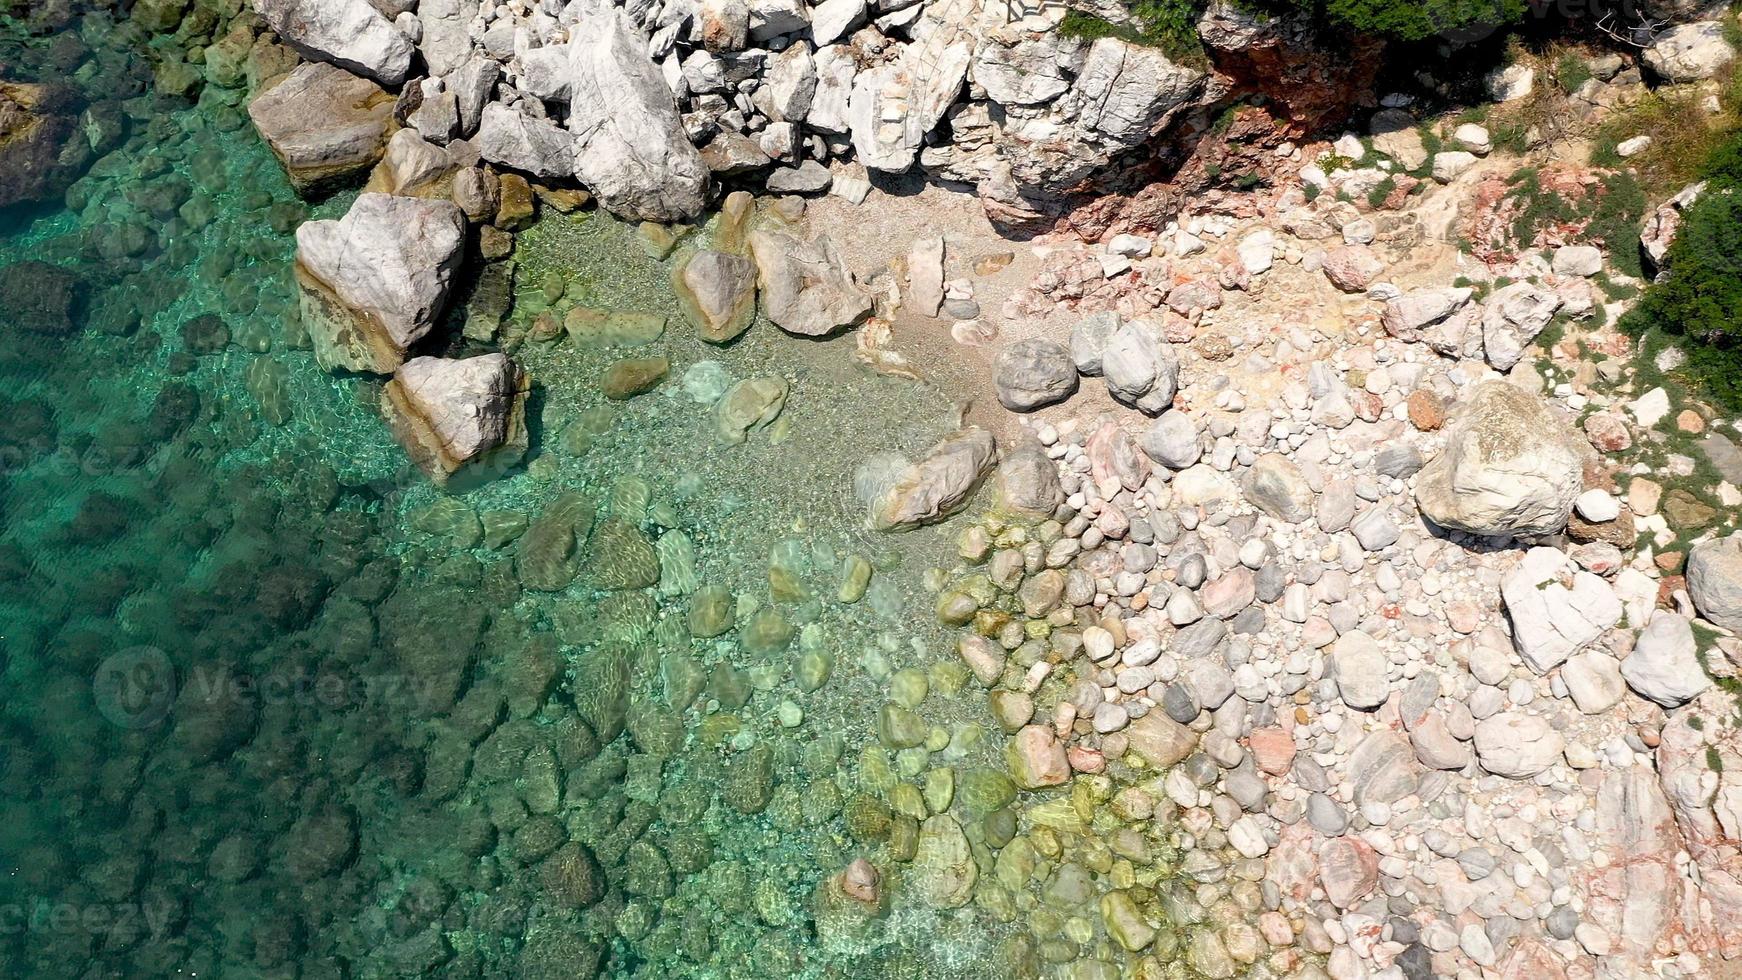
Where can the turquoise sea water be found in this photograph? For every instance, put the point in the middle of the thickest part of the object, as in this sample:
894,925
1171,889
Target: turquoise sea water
276,707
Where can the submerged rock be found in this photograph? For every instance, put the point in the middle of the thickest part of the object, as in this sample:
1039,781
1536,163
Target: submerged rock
374,282
352,34
449,414
717,292
1510,466
806,288
40,298
938,485
748,405
944,871
324,124
37,148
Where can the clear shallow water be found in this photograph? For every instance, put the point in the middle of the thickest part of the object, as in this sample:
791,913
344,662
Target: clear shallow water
276,707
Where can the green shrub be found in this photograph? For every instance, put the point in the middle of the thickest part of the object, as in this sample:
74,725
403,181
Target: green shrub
1376,197
1171,25
1700,300
1416,20
1571,71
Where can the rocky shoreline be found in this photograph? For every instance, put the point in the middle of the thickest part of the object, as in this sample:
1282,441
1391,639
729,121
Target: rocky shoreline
1320,617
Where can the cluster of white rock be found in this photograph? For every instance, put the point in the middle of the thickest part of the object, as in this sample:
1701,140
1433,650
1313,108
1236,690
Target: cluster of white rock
646,104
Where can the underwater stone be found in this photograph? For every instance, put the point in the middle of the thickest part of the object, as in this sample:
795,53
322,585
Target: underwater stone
677,564
573,878
645,871
627,617
717,292
324,124
502,527
633,376
986,790
620,557
899,728
747,405
712,611
40,141
855,578
268,381
938,485
321,843
450,414
451,519
1037,758
601,691
1125,922
944,871
766,632
749,780
868,818
204,334
728,685
592,327
658,731
374,282
545,558
40,298
813,669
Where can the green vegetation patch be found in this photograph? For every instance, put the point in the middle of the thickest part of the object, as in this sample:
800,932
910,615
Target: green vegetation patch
1170,25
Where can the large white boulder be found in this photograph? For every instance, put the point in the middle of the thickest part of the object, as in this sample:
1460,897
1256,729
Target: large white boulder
324,124
449,414
1689,52
806,288
630,147
1715,581
374,282
893,106
1556,609
1510,466
349,33
1665,665
519,141
1512,318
